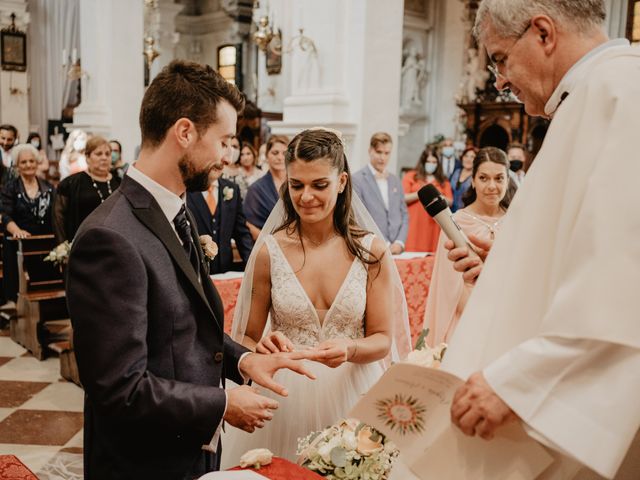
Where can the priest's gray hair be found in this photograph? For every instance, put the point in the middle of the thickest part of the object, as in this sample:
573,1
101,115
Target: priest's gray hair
510,17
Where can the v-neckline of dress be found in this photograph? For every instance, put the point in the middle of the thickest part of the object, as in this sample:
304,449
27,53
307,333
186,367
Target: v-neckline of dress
304,292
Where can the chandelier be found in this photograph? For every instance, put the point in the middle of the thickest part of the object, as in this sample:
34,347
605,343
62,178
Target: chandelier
267,37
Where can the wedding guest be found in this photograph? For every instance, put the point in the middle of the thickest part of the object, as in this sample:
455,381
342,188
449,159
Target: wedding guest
517,162
73,157
233,170
79,194
327,284
26,204
423,230
8,137
382,194
449,160
461,178
43,161
249,164
550,339
218,213
118,165
487,200
263,194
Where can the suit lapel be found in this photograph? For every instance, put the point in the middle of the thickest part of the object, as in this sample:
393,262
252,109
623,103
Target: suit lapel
374,186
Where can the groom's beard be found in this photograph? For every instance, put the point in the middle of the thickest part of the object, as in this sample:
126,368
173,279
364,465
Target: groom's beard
194,180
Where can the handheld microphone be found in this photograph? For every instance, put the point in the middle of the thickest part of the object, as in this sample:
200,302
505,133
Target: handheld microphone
436,206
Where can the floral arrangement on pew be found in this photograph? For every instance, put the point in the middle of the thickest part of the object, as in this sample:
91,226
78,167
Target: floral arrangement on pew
60,254
348,450
424,355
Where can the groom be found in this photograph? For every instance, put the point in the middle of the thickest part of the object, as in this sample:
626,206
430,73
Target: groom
147,320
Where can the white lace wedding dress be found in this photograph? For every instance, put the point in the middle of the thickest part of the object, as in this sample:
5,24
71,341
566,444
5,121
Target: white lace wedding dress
311,405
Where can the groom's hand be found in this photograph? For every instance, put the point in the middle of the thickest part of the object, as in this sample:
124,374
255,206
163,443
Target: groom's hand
477,410
248,410
261,368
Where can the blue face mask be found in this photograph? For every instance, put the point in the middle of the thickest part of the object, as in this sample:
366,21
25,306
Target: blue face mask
448,151
431,168
115,156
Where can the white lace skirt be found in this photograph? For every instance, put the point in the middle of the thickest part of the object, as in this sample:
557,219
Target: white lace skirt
311,405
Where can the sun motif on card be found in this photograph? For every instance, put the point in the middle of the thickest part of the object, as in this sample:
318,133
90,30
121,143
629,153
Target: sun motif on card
403,414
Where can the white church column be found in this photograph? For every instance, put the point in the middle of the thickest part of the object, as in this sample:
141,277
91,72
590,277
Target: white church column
166,35
14,85
353,83
111,40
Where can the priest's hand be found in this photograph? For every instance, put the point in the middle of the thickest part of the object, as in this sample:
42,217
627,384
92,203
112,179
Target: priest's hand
469,265
477,410
261,368
274,342
247,409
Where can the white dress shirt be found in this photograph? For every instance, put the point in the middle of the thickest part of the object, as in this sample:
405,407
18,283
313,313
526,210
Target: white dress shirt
383,185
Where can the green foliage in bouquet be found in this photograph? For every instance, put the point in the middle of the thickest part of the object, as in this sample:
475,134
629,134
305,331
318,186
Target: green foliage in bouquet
348,450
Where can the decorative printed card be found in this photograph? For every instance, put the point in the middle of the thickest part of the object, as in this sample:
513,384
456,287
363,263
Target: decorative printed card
411,403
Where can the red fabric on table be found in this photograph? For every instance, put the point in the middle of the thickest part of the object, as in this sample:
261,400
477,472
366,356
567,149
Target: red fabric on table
416,278
281,469
13,469
414,273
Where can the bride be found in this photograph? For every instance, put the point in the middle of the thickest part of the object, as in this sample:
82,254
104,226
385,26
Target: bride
328,283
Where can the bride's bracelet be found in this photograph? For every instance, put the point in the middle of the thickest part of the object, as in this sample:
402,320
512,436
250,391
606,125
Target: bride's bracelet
355,350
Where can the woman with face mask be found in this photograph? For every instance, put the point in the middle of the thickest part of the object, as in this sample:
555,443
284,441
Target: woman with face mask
72,158
233,170
485,202
35,140
423,230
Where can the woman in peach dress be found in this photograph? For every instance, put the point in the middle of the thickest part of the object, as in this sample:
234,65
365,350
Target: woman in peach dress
486,203
423,230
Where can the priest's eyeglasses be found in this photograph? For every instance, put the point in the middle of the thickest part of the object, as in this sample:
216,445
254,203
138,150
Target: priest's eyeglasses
498,64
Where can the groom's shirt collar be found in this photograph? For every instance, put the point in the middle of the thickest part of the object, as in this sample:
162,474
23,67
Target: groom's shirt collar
169,202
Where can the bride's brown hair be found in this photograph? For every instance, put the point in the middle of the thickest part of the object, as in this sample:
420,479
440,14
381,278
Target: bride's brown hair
314,144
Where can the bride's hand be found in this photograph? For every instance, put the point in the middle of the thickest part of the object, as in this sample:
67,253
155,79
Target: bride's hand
336,351
274,342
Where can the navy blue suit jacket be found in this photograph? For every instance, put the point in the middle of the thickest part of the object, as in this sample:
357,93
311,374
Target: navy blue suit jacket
227,223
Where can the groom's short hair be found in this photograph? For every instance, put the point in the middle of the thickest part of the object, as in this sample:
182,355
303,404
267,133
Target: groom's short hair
184,90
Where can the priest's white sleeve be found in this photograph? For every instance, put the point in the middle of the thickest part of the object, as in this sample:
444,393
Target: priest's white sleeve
558,386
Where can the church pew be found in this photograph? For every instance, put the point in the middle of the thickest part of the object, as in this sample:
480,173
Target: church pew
42,315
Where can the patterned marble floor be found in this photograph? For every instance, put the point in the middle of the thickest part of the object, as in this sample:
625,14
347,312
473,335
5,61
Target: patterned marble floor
40,414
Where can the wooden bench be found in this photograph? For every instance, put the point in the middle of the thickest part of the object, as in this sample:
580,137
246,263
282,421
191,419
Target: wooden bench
42,316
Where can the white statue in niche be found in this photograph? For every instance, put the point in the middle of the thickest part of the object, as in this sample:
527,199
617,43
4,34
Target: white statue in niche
413,77
475,76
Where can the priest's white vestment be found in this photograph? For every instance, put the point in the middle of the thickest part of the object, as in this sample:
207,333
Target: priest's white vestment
554,321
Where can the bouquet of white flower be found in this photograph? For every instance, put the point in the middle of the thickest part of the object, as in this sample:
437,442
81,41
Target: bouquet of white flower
60,254
348,450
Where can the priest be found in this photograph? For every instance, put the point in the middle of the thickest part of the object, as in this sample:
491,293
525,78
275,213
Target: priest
551,334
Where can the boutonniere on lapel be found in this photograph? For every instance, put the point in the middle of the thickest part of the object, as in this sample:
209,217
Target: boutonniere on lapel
209,247
227,193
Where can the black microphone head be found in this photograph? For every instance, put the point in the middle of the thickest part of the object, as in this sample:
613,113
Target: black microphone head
432,200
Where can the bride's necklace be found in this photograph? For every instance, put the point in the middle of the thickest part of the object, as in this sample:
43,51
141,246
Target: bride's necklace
492,227
95,185
316,243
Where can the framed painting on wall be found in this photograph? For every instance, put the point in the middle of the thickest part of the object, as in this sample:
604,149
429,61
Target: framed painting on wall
13,50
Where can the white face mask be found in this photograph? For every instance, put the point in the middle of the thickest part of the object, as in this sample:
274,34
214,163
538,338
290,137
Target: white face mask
431,168
235,155
36,143
79,144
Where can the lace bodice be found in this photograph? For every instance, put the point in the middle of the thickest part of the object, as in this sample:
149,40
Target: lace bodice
293,314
